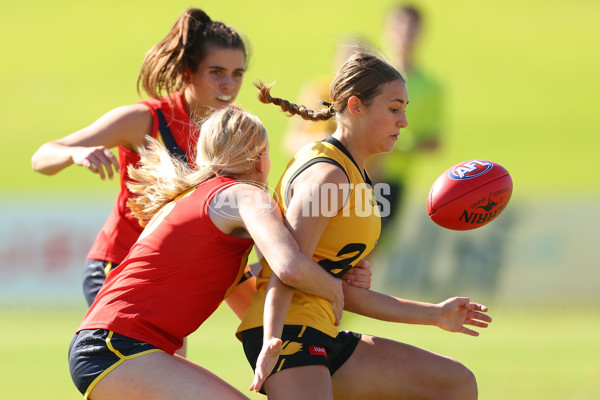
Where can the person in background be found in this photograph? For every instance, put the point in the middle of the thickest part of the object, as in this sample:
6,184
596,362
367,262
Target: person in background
300,131
412,269
402,31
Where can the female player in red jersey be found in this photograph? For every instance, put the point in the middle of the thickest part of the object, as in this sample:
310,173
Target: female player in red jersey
202,223
329,202
200,64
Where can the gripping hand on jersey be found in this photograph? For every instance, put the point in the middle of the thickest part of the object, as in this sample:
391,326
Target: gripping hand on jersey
360,275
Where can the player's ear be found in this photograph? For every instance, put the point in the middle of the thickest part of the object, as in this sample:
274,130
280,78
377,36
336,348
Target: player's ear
355,106
258,165
261,163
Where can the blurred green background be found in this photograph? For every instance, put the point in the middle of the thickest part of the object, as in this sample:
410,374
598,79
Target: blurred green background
521,76
521,89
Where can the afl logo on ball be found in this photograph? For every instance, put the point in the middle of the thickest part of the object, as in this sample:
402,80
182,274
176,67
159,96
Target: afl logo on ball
469,169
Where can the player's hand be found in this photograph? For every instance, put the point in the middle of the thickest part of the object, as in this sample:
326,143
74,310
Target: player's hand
266,362
457,312
97,159
360,275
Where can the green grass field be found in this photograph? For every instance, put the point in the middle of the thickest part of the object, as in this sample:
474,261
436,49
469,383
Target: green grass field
521,81
527,353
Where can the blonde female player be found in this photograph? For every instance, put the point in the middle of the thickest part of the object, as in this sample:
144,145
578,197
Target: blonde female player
326,196
200,64
203,221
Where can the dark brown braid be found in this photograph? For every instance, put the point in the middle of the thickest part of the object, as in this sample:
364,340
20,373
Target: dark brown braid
363,76
264,96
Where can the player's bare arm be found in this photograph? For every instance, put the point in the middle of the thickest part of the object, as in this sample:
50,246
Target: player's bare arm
293,267
308,227
451,315
89,147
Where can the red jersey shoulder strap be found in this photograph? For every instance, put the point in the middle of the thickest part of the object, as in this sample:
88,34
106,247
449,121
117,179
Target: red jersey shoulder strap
169,139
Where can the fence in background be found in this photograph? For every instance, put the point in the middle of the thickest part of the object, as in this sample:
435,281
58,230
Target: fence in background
531,252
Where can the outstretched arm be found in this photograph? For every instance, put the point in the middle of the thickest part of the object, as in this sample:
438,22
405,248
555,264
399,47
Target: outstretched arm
451,315
89,147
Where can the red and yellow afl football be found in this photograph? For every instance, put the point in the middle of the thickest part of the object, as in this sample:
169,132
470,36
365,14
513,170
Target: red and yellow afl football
469,195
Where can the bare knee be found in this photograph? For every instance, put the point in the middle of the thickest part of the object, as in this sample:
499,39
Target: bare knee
468,387
459,383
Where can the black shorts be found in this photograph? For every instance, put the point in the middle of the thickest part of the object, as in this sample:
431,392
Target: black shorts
303,345
94,275
94,353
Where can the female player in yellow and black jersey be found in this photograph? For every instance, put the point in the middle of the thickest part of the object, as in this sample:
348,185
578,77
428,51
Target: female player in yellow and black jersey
350,234
329,204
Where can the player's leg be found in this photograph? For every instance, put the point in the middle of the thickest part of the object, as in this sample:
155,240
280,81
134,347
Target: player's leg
183,350
108,365
160,376
300,383
384,369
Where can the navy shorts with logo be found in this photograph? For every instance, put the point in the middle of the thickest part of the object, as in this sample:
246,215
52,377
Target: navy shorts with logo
303,345
95,352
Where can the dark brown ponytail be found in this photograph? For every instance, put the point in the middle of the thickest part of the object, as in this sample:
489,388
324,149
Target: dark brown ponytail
167,64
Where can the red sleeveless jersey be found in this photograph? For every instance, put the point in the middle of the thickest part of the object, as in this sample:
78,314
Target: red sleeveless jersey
172,126
176,275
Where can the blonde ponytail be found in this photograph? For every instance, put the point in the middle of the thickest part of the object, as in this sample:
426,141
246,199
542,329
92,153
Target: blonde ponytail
230,142
160,179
